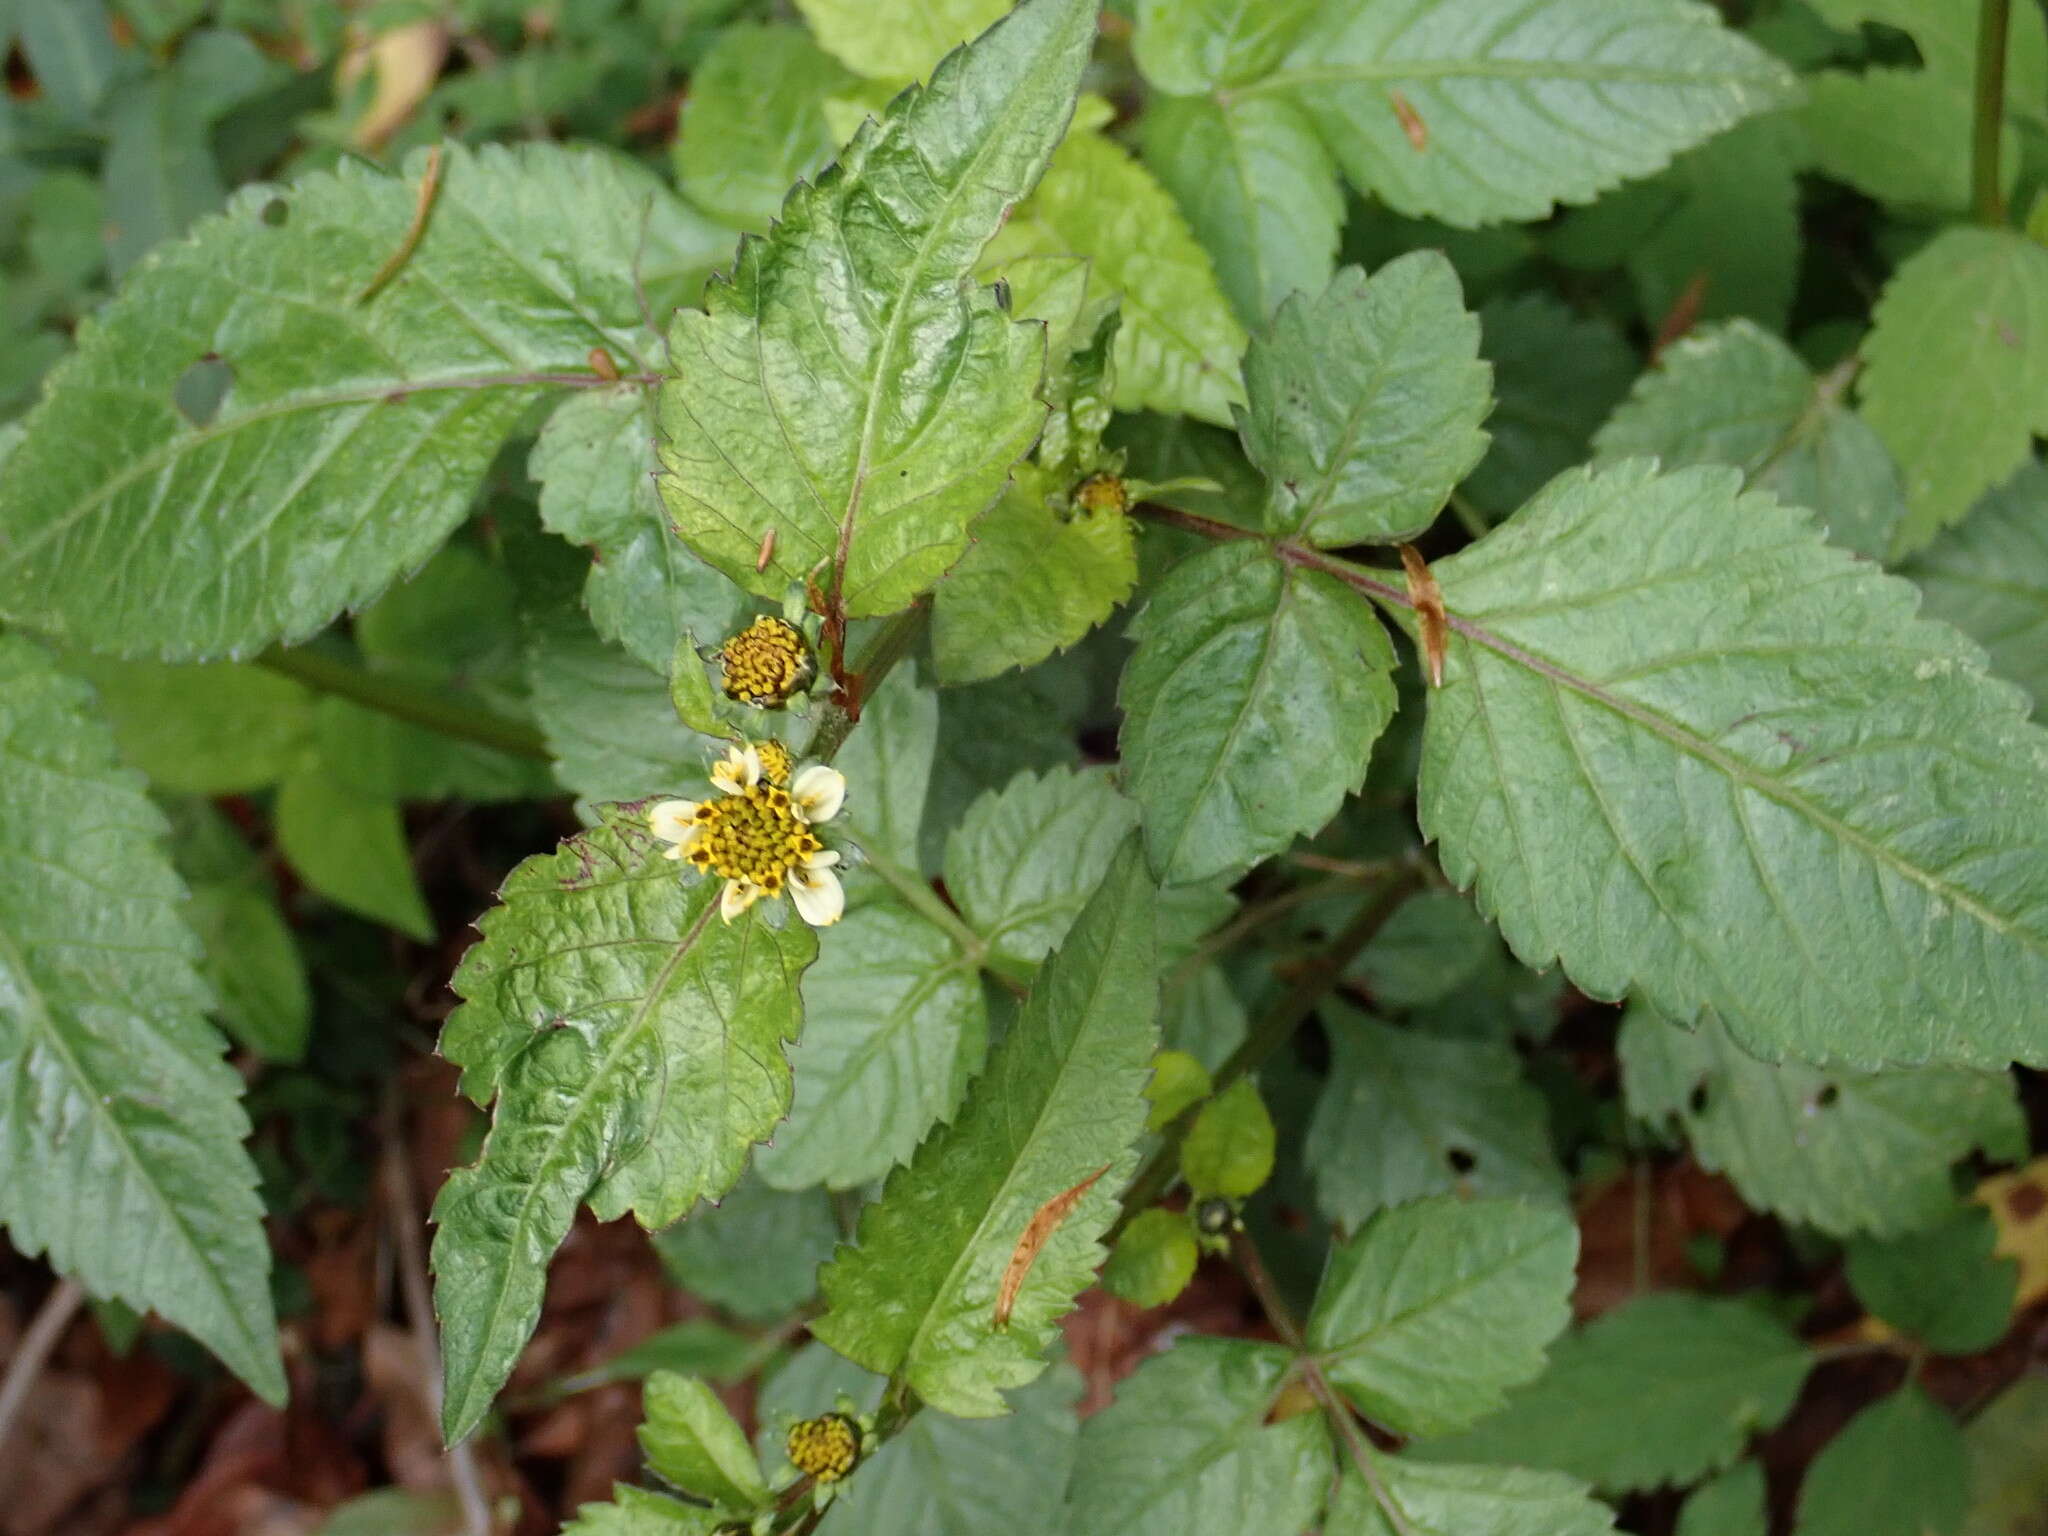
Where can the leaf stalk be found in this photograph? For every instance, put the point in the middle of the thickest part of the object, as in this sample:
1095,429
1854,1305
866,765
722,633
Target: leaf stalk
402,699
1994,18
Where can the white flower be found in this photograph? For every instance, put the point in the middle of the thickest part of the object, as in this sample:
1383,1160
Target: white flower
757,836
819,897
738,771
818,792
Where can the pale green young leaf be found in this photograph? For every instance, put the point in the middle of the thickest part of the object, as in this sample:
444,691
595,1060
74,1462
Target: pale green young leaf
1899,1468
1522,103
634,1043
896,41
352,849
1434,1499
1153,1259
849,390
1664,1389
1185,1450
220,729
1729,1505
1437,1307
1944,1285
740,148
1250,708
755,1252
134,528
642,1512
1189,47
1957,375
1842,1151
120,1126
1406,1114
1061,1103
887,762
1736,394
2008,1451
692,1442
1366,401
1727,767
1988,576
1229,1148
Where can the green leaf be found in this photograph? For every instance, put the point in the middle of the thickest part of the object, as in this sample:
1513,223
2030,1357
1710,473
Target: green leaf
1957,375
1179,1081
1898,1469
1900,135
1185,1450
135,527
1988,576
634,1043
1437,1307
756,1252
607,719
69,46
1178,347
899,1025
888,760
848,390
1432,945
1664,1389
691,1441
221,729
1727,767
1189,47
120,1126
1730,1505
352,849
251,963
1062,1102
741,148
1945,1285
1229,1148
1736,394
1524,103
897,40
640,1512
1406,1114
1842,1151
1153,1260
2008,1450
1437,1500
990,732
1366,401
1250,708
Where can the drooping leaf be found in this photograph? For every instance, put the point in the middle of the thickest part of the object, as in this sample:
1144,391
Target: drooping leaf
1189,47
1730,1505
1441,1500
220,729
634,1044
1062,1101
1845,1152
1185,1450
897,40
848,390
756,1251
1899,1468
692,1442
1664,1389
1439,1306
740,148
251,962
1765,787
1943,1284
138,526
1250,707
1988,576
120,1125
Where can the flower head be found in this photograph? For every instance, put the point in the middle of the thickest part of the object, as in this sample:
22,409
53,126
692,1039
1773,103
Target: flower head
757,834
825,1448
1103,492
767,662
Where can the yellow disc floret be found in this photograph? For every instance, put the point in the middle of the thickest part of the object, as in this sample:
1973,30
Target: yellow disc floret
824,1448
755,837
776,761
1103,492
766,662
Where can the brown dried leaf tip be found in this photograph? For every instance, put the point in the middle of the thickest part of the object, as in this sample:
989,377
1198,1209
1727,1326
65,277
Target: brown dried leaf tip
1037,1232
1428,599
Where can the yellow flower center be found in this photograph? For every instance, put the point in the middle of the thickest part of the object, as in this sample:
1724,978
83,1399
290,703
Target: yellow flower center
776,761
765,663
1102,492
825,1447
756,837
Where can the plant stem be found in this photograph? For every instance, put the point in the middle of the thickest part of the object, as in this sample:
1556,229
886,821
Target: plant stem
890,645
36,1345
1993,19
919,895
404,700
1260,913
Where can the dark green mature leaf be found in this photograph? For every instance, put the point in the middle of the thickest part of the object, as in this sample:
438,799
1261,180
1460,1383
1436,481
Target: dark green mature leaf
120,1126
1250,708
1736,394
1730,1505
607,719
219,729
1662,1390
897,40
1189,47
1945,1285
1522,103
1366,401
1437,1307
1988,576
849,390
1957,382
740,147
634,1044
136,528
1061,1103
756,1251
1406,1114
1433,945
1898,1469
692,1442
1185,1450
1842,1151
1438,1500
1727,767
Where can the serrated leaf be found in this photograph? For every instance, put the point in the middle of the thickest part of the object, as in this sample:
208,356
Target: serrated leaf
352,849
634,1044
1842,1151
1406,1114
1988,576
1522,103
642,1512
607,719
1229,1148
1250,708
897,40
1153,1260
1899,1468
1062,1098
849,390
221,729
691,1441
1437,1307
990,732
1944,1285
755,1252
1765,788
131,527
120,1126
899,1025
888,759
1957,375
1189,47
1730,1505
1185,1450
740,148
1366,401
1664,1389
1438,1500
1735,394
